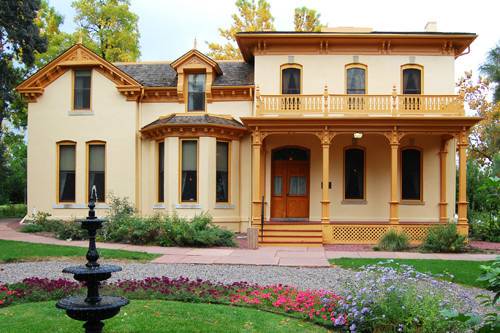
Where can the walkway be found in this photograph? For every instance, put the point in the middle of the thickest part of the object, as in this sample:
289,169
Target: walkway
275,256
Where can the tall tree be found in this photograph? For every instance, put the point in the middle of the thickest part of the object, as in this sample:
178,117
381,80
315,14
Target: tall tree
251,16
484,139
306,19
19,41
491,68
111,28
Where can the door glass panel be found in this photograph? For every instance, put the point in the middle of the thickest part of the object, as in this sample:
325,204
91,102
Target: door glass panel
298,185
278,185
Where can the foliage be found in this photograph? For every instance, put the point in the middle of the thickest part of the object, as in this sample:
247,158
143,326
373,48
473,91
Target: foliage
444,238
485,226
12,210
110,28
491,275
393,240
15,153
251,16
491,68
457,271
61,229
306,19
14,251
484,138
32,228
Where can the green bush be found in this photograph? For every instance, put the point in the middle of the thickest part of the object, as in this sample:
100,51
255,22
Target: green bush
12,210
444,238
485,226
62,229
393,240
30,228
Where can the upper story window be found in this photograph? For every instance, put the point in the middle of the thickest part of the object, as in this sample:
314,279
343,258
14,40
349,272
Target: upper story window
291,76
67,167
82,87
411,174
412,79
196,92
96,169
354,173
356,79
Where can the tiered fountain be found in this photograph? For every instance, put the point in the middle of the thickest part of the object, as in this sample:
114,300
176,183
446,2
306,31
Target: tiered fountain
93,308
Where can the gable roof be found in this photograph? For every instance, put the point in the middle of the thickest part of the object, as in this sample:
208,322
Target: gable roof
194,53
234,73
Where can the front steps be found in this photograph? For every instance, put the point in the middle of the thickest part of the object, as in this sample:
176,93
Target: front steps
291,234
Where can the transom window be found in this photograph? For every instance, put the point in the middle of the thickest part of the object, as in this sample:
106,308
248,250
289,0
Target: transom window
97,170
356,80
189,181
161,171
354,173
67,167
290,80
412,81
411,174
196,92
222,172
82,87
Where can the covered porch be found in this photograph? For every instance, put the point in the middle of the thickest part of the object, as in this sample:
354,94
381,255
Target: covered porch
288,192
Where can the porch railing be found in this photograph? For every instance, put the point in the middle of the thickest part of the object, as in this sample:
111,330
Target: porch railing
390,104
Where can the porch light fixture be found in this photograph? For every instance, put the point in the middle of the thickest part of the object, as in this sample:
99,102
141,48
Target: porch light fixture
358,135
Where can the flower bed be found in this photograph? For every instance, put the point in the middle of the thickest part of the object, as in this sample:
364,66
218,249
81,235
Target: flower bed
382,299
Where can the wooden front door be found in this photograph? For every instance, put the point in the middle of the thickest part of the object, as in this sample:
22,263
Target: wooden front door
290,184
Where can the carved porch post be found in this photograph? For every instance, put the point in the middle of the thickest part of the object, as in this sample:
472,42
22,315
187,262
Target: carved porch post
256,164
462,175
443,204
394,138
325,137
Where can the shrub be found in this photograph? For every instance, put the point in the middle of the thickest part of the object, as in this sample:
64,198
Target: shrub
61,229
31,227
485,226
444,238
13,210
393,240
70,230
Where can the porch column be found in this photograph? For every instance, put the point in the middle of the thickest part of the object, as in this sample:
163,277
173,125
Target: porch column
256,164
462,175
443,204
394,203
326,138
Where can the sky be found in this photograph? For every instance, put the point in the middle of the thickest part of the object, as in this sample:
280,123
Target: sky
168,28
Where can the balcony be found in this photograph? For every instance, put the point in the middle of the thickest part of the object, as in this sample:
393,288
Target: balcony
328,104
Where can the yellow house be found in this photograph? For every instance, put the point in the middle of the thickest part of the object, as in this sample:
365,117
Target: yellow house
329,137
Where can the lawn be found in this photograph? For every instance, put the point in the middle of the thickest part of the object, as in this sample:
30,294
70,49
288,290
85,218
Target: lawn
11,251
464,272
154,316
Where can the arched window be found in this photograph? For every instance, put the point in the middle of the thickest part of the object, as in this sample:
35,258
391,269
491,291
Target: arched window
411,174
356,79
291,76
412,79
354,173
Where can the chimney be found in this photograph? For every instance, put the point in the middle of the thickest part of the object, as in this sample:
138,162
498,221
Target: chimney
431,26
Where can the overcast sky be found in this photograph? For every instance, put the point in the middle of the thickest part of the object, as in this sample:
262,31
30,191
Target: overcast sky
168,27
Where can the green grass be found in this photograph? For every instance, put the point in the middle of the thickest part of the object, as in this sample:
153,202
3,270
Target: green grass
464,272
154,316
12,210
11,251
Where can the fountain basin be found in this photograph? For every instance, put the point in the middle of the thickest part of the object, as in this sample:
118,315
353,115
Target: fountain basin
99,273
78,309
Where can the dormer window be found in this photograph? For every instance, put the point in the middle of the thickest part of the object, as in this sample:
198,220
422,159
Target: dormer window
412,80
356,80
196,92
291,79
82,86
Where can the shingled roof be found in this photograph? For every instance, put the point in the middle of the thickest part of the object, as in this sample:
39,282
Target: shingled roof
194,120
234,73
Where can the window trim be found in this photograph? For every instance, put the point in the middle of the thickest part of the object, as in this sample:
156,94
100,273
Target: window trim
158,201
411,201
197,171
73,78
291,65
344,199
229,160
412,66
186,90
356,65
58,155
87,160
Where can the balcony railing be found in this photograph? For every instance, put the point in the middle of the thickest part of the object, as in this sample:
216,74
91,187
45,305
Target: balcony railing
393,104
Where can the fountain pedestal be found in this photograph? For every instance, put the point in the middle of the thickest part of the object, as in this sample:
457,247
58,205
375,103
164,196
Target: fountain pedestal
92,308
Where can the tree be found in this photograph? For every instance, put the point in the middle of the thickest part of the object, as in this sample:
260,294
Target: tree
109,28
20,40
484,139
306,19
491,69
250,17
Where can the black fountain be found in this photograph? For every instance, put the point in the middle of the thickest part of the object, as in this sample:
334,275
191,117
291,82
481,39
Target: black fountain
93,308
